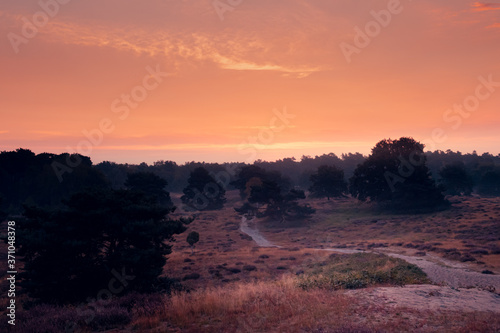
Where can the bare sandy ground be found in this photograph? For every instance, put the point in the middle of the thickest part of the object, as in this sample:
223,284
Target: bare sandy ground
455,275
430,297
458,289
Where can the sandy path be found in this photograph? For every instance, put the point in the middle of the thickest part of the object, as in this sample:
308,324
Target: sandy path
438,270
458,277
255,234
446,296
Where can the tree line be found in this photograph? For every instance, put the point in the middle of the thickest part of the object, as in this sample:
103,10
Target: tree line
27,178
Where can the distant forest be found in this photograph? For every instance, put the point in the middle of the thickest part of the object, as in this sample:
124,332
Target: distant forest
46,179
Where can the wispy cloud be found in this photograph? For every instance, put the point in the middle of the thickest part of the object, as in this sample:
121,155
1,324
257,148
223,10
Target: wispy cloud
242,65
481,6
226,51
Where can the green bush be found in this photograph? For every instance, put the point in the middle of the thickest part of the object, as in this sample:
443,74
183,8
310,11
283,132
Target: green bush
360,270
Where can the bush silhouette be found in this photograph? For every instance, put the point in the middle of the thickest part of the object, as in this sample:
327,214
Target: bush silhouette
395,175
193,238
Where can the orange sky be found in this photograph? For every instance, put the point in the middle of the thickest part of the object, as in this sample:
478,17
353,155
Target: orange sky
222,82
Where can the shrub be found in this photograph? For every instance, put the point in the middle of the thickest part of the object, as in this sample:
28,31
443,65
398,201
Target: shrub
395,176
359,271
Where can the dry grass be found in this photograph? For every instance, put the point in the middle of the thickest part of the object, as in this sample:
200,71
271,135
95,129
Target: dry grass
282,307
256,307
277,306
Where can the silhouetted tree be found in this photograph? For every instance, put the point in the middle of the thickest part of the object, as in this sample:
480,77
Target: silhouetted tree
328,182
245,174
292,208
395,176
193,238
72,254
247,209
115,173
489,184
203,192
151,185
251,175
456,179
276,205
44,179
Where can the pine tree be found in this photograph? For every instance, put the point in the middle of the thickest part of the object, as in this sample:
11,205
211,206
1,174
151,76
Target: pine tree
71,254
151,185
203,192
328,182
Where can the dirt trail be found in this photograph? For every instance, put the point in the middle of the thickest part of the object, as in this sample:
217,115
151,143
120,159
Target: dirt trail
255,234
456,276
439,271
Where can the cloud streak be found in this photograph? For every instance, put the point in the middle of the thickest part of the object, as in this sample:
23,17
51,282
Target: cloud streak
481,6
225,51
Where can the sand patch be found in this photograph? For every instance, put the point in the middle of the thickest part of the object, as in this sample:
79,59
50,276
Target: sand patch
431,297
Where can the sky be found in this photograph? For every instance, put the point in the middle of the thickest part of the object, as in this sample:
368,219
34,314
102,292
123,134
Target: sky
135,81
